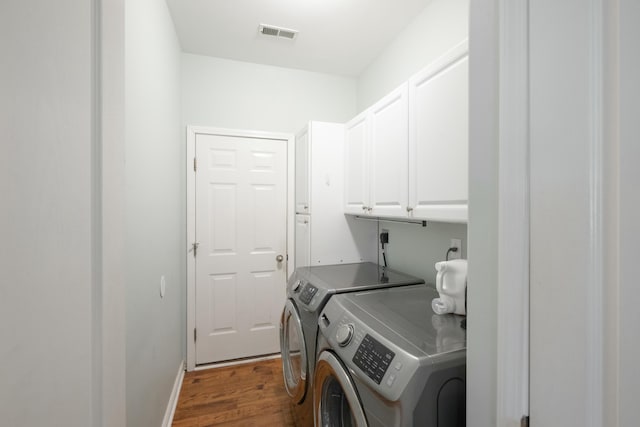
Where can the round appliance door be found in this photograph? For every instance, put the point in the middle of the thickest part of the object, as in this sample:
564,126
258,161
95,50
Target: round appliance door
294,353
335,398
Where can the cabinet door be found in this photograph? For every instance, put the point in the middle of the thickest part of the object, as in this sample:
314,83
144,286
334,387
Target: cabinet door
303,241
389,144
302,172
438,153
356,180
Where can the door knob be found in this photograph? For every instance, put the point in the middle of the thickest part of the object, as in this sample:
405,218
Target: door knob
279,258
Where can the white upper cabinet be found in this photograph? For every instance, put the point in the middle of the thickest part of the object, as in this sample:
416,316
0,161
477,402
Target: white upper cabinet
302,172
388,154
376,147
407,155
438,138
356,182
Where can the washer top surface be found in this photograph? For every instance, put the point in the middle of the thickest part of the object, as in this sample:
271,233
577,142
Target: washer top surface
357,276
311,287
405,315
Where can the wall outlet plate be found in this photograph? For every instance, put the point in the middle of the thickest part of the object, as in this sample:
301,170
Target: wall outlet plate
456,243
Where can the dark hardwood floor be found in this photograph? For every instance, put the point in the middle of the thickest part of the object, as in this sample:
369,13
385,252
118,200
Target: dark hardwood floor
248,395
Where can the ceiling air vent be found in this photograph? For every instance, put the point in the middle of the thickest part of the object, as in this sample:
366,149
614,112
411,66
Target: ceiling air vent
272,30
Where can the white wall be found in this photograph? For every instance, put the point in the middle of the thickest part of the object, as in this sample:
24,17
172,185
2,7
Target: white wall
442,25
112,162
240,95
155,212
49,352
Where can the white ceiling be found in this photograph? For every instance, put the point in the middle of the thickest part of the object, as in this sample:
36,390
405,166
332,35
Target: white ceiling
335,36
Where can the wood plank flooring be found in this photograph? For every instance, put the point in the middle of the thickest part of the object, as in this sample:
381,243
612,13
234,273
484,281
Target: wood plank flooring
248,395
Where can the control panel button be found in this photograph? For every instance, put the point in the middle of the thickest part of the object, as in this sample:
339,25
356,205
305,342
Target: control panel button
308,292
398,366
344,334
391,379
296,285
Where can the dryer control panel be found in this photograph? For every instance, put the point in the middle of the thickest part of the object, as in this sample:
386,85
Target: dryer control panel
373,358
308,291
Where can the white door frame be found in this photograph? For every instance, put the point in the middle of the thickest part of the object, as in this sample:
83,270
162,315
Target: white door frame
498,335
511,37
192,131
512,347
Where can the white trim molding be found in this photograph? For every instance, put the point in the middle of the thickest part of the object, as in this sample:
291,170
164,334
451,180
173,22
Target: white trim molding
595,285
192,131
173,399
513,211
567,123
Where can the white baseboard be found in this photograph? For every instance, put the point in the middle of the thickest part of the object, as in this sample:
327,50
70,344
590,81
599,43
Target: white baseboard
236,362
173,399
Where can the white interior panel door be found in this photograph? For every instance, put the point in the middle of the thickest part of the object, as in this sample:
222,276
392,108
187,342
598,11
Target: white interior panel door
438,153
389,153
241,194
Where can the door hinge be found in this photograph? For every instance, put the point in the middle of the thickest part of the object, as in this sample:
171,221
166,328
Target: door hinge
195,164
195,248
195,335
524,421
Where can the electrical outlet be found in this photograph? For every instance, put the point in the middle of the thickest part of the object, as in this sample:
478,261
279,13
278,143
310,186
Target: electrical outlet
384,236
456,243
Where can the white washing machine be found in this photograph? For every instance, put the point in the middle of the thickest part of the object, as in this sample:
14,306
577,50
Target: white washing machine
386,360
308,291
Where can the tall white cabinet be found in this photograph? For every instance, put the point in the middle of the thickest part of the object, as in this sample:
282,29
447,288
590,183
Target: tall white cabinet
323,234
407,155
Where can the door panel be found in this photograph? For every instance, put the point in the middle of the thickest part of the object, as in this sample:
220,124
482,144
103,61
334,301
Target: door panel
438,155
303,240
389,153
356,170
221,297
302,173
241,228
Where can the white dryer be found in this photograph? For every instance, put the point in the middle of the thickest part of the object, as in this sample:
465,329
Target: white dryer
386,360
308,291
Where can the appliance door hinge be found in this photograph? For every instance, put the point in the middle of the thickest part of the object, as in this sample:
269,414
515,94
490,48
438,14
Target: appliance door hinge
195,248
195,335
524,421
195,164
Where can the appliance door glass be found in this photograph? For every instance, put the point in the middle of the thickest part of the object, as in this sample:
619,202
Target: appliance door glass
335,398
294,354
